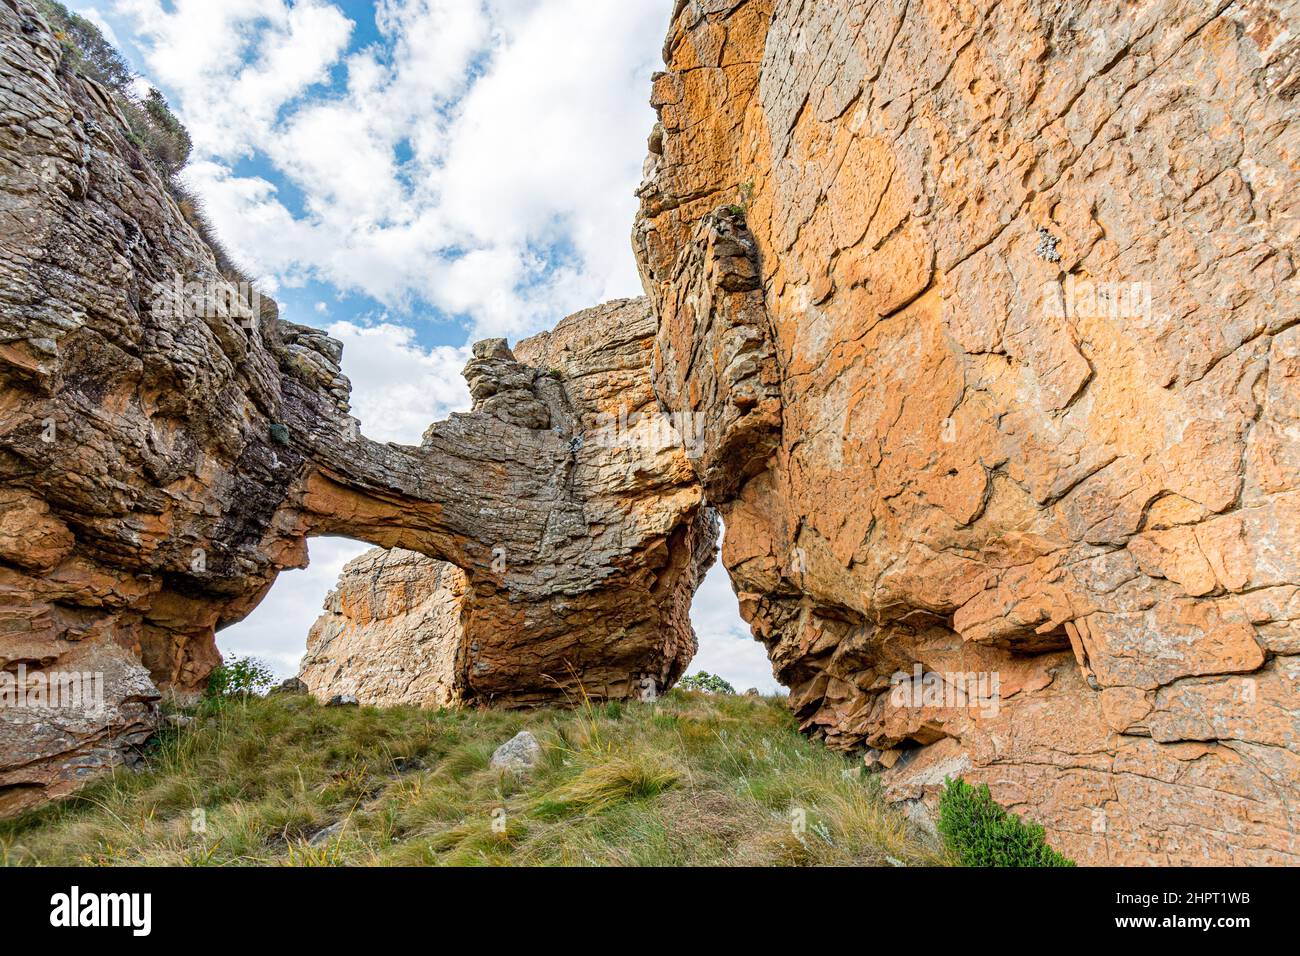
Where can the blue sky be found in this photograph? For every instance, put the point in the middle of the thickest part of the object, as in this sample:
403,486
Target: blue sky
413,175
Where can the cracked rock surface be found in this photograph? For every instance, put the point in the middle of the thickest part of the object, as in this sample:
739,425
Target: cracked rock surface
1022,366
167,447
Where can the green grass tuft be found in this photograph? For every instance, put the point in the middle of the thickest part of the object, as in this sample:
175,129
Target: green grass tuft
692,779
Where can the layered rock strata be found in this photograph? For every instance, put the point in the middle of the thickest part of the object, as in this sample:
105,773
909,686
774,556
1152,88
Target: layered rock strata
1005,293
622,518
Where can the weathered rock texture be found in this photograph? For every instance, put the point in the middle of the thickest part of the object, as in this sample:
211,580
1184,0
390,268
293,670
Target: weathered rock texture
165,452
391,632
999,365
622,519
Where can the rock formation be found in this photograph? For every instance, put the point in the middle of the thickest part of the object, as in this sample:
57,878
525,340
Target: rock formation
977,323
167,445
988,312
401,628
391,632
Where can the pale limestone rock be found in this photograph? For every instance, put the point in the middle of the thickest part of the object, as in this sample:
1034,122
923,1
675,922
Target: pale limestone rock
391,632
519,754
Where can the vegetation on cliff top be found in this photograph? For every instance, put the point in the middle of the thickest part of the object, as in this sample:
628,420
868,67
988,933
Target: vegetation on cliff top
693,778
152,127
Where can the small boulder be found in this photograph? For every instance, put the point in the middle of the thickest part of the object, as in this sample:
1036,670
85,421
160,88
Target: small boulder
321,837
291,686
342,700
518,754
753,692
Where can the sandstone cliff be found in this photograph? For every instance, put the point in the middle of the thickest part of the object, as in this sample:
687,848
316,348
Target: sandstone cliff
992,308
167,445
977,323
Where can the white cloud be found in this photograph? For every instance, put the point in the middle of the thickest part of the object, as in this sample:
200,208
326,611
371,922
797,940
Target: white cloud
726,646
482,158
277,629
234,65
399,388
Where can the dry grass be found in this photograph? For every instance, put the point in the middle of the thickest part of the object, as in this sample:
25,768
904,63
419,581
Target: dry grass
689,780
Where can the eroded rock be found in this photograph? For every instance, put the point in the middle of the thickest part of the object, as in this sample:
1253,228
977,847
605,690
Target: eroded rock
1026,277
590,572
167,446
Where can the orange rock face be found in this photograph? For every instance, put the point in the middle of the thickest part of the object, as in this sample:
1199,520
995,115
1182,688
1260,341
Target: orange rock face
1021,364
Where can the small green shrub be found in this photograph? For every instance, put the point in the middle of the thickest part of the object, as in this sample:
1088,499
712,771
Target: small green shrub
709,683
86,50
165,138
238,677
981,833
152,127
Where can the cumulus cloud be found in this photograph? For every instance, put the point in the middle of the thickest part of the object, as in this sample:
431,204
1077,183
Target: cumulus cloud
399,388
234,65
480,158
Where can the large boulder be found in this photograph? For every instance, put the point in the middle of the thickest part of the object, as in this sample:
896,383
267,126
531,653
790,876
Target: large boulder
988,314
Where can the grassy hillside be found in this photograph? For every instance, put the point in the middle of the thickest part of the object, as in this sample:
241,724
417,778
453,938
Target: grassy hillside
691,779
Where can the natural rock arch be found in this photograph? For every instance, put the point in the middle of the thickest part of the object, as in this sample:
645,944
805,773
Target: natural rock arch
572,512
167,445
